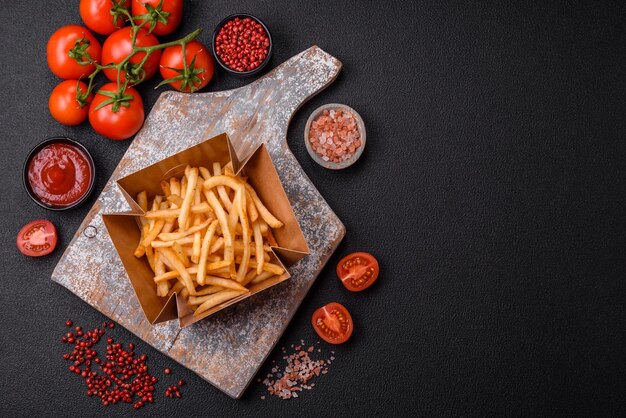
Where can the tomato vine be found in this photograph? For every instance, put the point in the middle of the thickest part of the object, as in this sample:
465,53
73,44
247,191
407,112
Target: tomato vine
134,73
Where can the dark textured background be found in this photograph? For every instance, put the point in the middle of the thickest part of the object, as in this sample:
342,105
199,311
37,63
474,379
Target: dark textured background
492,190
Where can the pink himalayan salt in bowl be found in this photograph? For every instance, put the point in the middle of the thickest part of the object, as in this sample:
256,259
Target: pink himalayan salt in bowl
334,136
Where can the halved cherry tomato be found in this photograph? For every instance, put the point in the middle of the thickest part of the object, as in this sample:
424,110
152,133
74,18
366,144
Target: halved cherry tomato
333,323
119,45
37,238
65,40
168,14
63,104
196,77
119,125
358,271
104,16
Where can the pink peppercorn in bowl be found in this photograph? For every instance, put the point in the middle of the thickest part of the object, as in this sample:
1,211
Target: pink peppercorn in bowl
334,136
242,45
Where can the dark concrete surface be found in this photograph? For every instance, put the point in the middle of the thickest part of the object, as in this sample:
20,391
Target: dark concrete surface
491,190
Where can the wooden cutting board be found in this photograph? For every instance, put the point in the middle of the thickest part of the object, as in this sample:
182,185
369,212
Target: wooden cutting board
227,348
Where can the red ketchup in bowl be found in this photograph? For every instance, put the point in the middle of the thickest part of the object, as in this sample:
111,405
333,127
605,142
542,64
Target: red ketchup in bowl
59,174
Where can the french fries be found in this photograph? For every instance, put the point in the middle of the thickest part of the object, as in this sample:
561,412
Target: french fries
208,237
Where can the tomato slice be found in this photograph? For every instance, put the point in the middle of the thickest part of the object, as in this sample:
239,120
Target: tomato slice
358,271
333,323
37,238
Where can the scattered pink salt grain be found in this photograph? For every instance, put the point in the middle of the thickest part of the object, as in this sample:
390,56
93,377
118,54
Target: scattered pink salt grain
335,136
285,383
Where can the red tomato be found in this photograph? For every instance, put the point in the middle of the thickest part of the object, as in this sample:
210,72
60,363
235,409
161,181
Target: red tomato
333,323
116,125
98,17
196,77
119,45
58,51
170,10
63,104
358,271
37,238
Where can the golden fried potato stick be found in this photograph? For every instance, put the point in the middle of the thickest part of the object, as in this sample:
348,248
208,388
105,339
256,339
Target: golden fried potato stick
165,186
263,225
270,238
150,257
142,200
243,218
181,253
156,228
175,187
170,256
141,249
225,283
221,217
223,273
252,277
239,250
204,252
159,268
221,191
217,298
228,169
208,290
218,181
192,179
200,208
175,289
219,243
183,186
197,300
258,241
204,173
274,268
172,236
155,206
174,274
233,216
176,201
252,212
183,241
263,211
218,265
197,219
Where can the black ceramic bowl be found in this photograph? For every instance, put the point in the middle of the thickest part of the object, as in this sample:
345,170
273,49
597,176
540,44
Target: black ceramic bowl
258,69
59,140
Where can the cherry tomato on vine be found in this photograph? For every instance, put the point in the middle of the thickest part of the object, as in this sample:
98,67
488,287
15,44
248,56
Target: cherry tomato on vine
64,106
165,14
197,75
333,323
63,50
119,45
358,271
100,15
119,125
37,238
